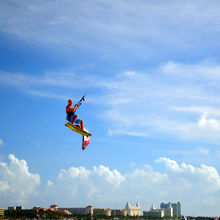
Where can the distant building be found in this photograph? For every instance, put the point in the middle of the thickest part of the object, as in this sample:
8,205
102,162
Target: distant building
176,208
2,212
16,208
169,211
81,211
90,210
133,210
12,208
64,211
76,211
54,207
102,211
154,212
119,212
39,208
19,207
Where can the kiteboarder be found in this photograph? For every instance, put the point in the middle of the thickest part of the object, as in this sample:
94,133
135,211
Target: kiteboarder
76,124
71,116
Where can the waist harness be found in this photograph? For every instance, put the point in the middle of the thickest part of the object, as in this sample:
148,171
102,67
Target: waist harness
68,115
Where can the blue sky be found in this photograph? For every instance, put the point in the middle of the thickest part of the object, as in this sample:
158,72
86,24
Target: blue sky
152,73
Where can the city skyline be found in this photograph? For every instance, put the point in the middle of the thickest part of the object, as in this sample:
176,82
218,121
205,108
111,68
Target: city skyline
128,210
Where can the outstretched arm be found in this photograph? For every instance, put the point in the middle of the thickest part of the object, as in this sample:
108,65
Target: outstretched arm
75,107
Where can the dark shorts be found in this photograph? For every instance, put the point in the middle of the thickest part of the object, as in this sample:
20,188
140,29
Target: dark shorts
77,122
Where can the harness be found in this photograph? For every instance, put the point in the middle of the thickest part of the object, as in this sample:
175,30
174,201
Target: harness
68,115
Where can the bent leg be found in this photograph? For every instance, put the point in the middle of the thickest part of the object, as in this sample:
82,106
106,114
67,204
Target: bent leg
74,119
82,124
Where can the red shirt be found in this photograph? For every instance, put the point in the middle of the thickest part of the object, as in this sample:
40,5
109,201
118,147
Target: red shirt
69,108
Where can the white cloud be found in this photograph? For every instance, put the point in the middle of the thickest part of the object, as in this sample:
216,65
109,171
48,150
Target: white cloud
49,183
212,123
45,85
168,99
17,184
101,186
84,185
201,110
1,142
171,164
130,25
203,151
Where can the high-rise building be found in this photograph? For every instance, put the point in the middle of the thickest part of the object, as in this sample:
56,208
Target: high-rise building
164,205
176,208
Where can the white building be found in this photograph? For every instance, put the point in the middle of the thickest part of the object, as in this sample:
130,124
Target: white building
133,210
163,212
169,211
154,212
176,208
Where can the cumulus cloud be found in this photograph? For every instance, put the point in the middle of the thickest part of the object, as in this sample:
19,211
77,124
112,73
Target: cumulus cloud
102,186
212,123
85,186
171,164
17,184
206,174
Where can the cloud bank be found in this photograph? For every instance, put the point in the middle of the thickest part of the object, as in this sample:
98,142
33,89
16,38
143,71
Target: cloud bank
17,184
138,28
197,188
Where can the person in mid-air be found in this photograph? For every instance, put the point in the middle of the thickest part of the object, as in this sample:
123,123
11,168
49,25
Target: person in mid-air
71,116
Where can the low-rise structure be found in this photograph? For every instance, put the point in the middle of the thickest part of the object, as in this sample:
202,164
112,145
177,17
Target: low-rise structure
90,210
19,207
54,206
81,211
76,211
12,208
2,212
39,208
102,211
119,212
154,212
64,211
16,208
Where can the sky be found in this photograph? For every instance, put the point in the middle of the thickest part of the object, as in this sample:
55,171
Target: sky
151,73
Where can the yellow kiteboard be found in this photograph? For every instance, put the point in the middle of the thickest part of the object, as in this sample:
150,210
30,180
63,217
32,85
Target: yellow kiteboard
77,129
